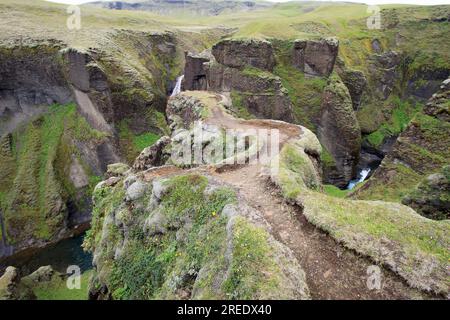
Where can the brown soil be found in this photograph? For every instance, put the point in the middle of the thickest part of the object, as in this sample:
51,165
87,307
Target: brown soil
332,272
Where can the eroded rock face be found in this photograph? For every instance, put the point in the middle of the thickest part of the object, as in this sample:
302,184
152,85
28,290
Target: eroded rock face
420,151
315,57
384,72
339,132
195,71
11,287
432,197
356,83
243,53
153,156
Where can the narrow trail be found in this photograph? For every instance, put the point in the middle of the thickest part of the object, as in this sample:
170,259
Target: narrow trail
332,272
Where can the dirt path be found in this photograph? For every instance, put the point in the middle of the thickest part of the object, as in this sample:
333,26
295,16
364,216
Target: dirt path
332,271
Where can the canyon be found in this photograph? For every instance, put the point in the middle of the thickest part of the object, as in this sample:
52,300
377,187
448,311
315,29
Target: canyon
91,122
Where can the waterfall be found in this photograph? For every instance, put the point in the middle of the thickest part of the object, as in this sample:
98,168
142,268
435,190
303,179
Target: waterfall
177,88
363,175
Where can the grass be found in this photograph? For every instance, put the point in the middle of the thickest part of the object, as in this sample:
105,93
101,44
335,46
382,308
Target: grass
37,172
401,114
389,233
56,289
335,191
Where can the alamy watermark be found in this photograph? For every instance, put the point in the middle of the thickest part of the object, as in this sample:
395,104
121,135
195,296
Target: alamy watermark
74,277
74,20
206,144
374,278
374,20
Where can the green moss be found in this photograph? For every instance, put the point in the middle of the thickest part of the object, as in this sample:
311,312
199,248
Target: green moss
335,191
251,263
327,158
305,93
56,289
239,106
145,140
401,114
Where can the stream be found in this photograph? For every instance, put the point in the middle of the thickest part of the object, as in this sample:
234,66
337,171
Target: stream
362,177
177,88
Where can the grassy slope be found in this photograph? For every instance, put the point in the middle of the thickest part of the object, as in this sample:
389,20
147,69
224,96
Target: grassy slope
391,234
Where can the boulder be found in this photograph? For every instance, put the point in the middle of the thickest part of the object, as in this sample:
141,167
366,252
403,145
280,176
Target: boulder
241,53
136,191
432,196
117,169
339,132
315,57
152,156
11,287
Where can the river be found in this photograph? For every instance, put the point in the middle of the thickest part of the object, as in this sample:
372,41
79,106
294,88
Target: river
60,255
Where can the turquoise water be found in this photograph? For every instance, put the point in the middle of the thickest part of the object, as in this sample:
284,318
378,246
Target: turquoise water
60,256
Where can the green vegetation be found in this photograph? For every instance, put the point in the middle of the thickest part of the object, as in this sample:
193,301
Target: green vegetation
305,93
56,289
335,191
34,180
400,115
131,144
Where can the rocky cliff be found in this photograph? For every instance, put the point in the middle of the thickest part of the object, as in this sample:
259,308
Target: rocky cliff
66,114
418,156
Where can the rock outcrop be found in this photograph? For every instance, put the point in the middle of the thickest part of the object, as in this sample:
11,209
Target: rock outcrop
59,151
356,83
242,70
420,151
244,53
179,209
432,196
11,287
339,133
315,57
384,70
195,71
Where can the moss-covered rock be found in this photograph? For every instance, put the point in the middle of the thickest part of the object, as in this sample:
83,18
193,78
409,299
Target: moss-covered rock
421,150
44,177
186,237
339,132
